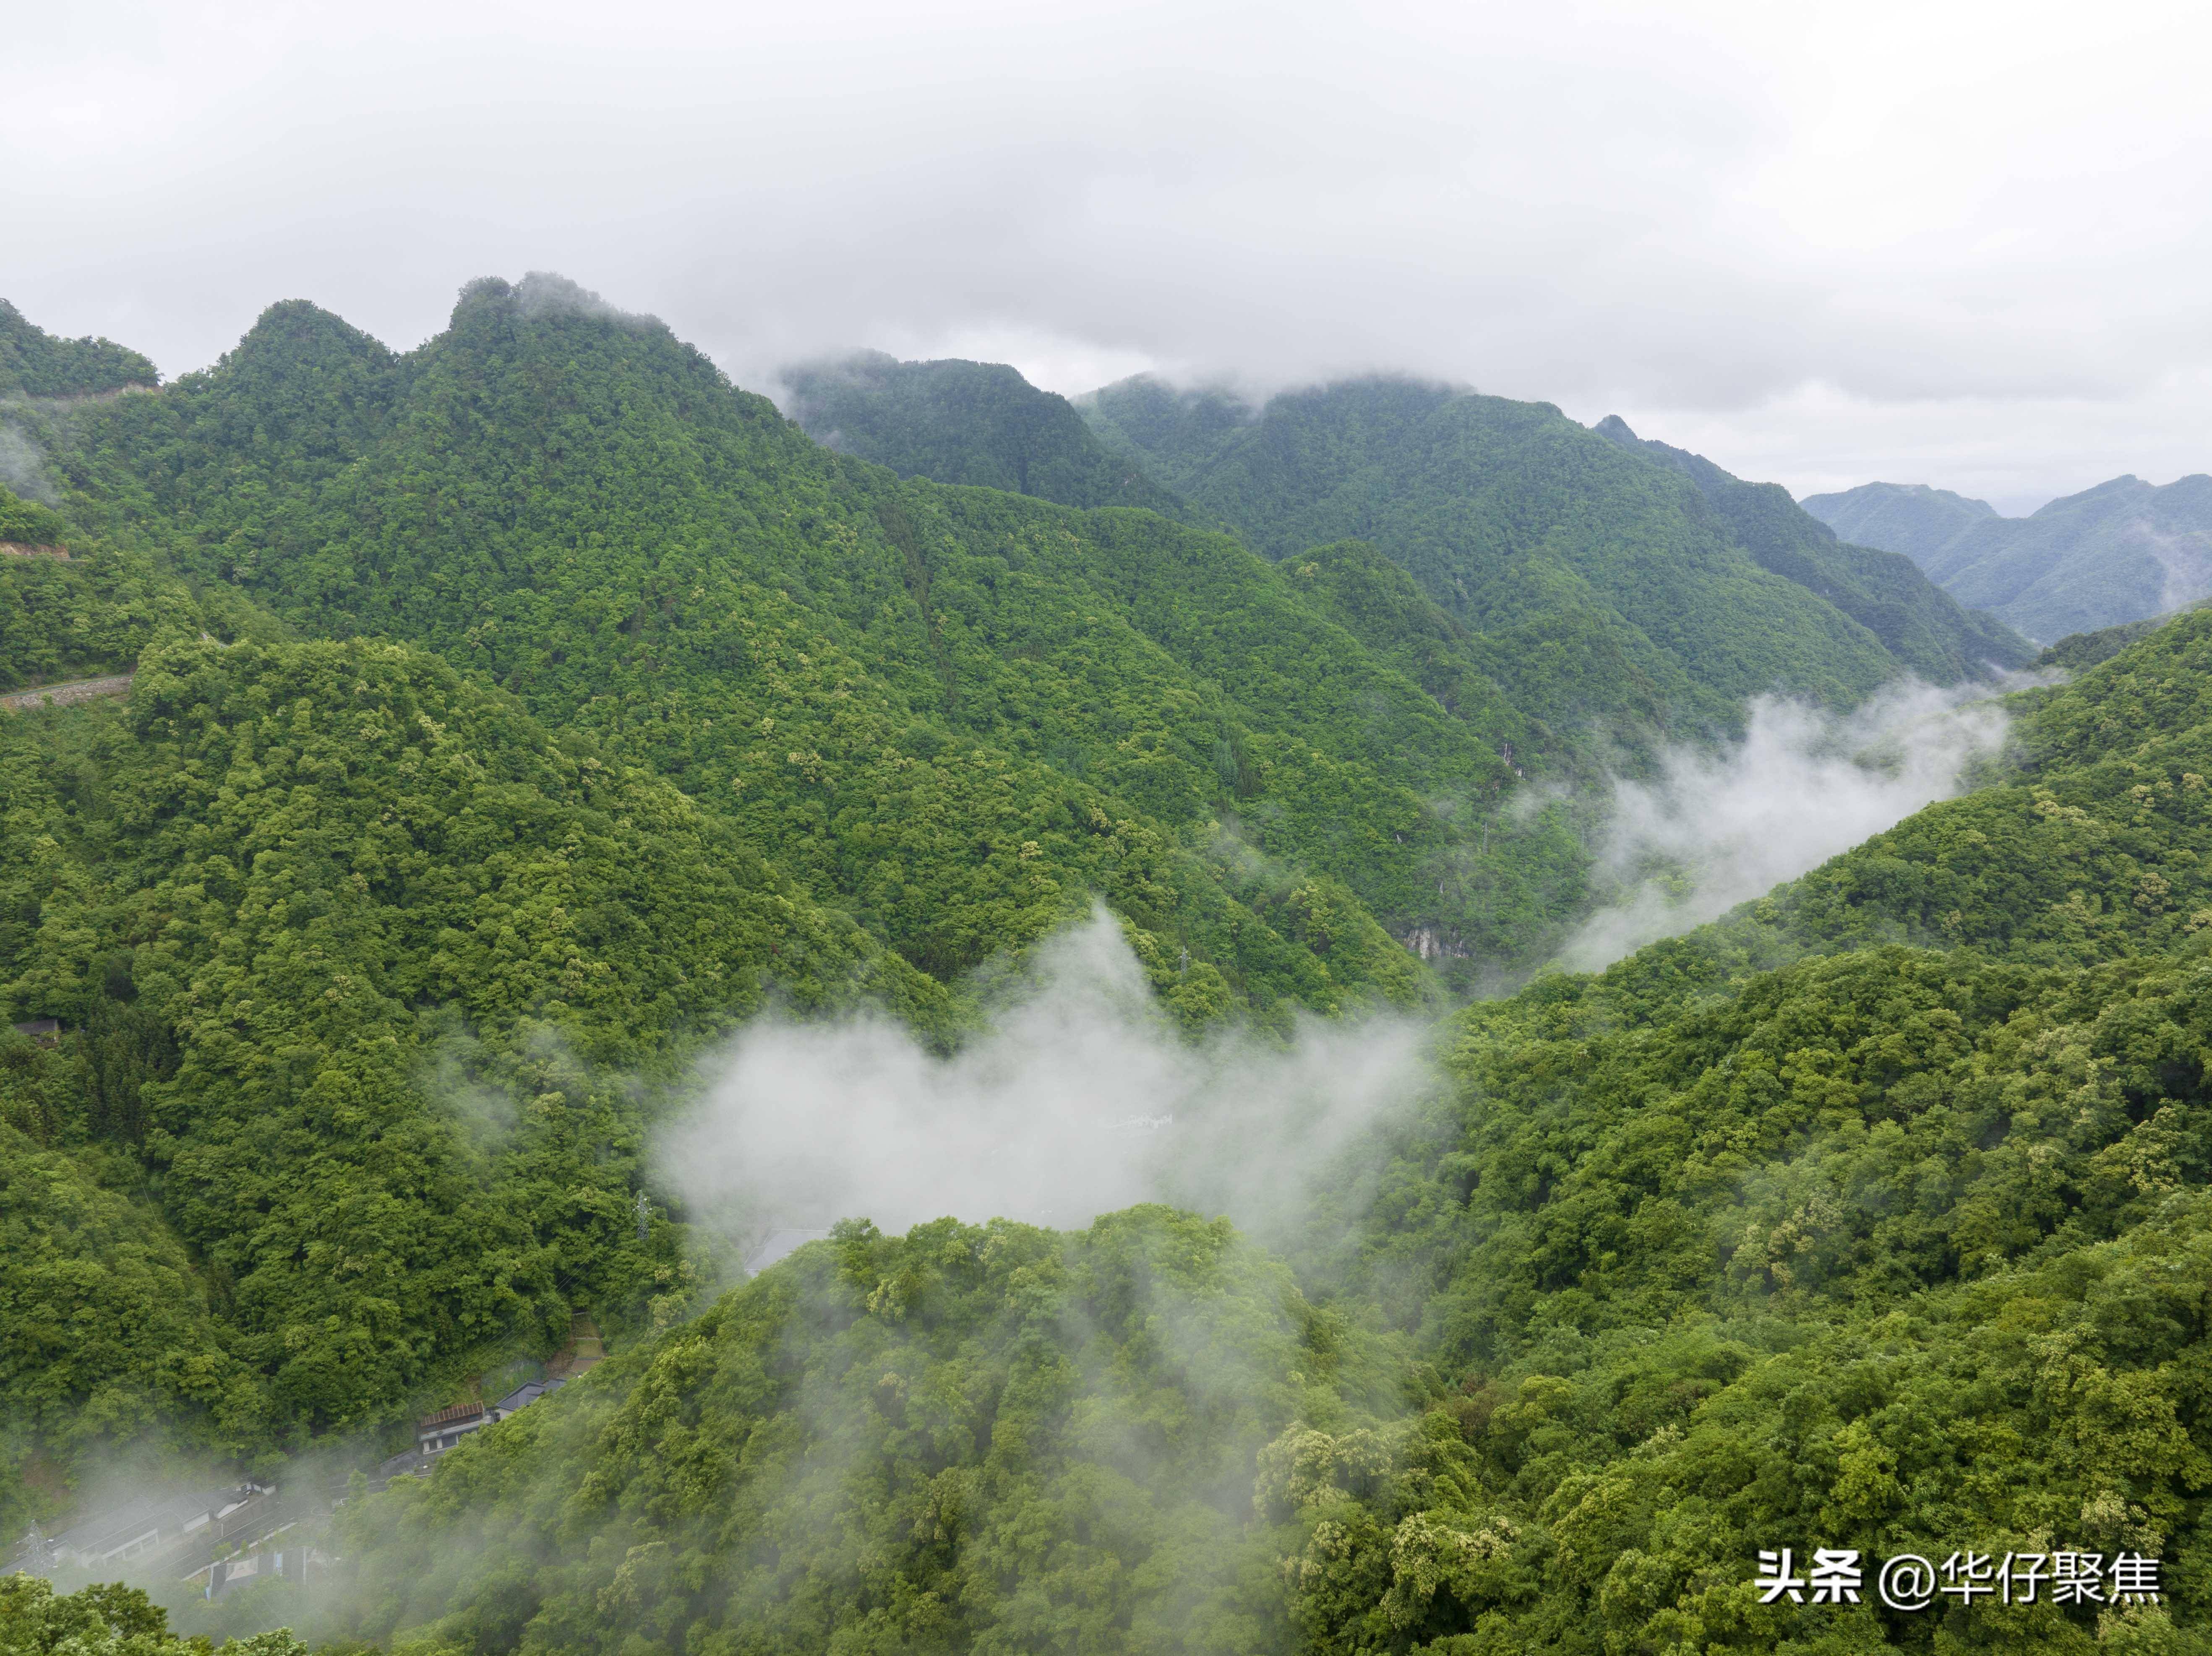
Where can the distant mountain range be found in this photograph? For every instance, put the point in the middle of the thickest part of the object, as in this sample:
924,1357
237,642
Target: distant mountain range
1589,581
2122,551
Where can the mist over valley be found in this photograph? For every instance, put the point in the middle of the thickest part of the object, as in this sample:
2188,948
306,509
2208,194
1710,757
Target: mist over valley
980,901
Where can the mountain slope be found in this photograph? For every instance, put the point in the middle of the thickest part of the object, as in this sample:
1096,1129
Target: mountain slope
35,363
367,980
966,422
1608,590
1883,1248
956,714
73,606
2122,551
1883,591
1023,1441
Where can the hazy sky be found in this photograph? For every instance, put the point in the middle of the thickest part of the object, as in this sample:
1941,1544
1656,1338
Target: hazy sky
1959,244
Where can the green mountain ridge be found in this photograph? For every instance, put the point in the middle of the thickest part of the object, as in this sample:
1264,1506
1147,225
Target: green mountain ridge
1874,1215
1908,518
1403,467
1555,544
35,363
2123,551
585,513
976,423
1883,591
513,719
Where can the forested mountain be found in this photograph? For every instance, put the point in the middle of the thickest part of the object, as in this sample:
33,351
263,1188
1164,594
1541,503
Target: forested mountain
512,719
1883,591
1603,585
954,712
1908,518
369,958
364,968
966,422
1873,1216
35,363
2123,551
73,606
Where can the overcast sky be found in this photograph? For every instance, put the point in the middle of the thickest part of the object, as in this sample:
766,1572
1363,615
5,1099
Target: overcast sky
1958,244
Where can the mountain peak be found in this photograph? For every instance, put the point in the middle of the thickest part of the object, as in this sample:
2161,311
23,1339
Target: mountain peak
958,422
542,294
35,363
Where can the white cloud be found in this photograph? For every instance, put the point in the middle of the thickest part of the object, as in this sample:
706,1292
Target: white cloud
1718,828
1077,1102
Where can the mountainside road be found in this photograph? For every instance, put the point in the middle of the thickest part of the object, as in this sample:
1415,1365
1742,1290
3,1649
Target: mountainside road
64,695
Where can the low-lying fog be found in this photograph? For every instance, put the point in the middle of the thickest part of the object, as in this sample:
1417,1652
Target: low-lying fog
1080,1099
1716,828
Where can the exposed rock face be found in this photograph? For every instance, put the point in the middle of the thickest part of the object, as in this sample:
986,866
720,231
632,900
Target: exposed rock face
1434,943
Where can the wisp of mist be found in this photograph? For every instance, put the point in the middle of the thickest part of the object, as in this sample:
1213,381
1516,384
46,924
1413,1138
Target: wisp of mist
1802,786
1079,1099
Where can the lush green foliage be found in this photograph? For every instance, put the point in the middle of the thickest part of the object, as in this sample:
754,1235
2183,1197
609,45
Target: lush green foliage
2122,551
1604,587
966,422
1883,591
956,713
1911,518
25,523
95,610
1875,1214
34,363
968,1439
1893,1247
362,970
2079,651
108,1619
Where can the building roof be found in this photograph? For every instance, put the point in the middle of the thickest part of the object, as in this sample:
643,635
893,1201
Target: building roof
451,1417
526,1394
118,1526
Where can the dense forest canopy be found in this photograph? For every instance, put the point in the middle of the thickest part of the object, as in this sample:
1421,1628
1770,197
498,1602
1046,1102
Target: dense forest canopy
1603,573
1445,491
35,363
966,422
1871,1217
1883,591
872,677
511,720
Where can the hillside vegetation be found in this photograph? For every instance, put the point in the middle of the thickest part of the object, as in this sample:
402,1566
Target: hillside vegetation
1609,586
1899,1245
365,970
73,606
1883,591
966,422
374,957
1911,518
1598,598
513,719
35,363
955,713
